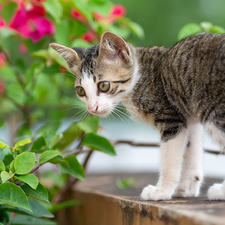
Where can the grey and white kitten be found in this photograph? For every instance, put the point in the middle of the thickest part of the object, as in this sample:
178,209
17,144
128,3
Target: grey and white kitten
174,89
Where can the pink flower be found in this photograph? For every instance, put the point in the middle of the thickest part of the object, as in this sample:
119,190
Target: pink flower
31,22
89,36
117,12
22,48
77,15
2,87
2,22
98,16
43,26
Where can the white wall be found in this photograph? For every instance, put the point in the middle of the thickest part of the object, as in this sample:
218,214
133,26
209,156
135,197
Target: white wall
144,159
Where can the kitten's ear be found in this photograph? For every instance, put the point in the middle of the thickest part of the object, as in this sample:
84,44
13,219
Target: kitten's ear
71,55
113,46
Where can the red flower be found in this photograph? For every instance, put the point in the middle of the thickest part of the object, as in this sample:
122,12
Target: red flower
98,16
117,12
2,22
2,87
77,15
62,69
31,22
89,36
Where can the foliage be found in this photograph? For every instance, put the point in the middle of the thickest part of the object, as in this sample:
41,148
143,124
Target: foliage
35,84
194,28
125,183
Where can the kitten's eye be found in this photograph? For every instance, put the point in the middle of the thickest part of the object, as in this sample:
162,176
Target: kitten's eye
103,86
80,91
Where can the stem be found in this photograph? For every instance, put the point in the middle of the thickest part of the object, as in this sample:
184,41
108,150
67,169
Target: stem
71,181
26,113
140,144
5,54
20,107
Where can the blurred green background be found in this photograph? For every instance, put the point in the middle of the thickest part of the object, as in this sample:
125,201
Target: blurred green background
162,19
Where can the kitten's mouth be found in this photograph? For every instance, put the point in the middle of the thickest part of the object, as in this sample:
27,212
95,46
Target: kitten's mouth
101,114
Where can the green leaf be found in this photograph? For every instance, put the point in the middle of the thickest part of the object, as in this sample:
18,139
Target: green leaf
121,31
8,157
4,152
40,193
217,29
62,34
32,72
48,155
89,125
12,195
54,8
54,140
5,217
39,145
59,160
1,123
8,11
206,26
11,166
41,54
79,43
28,220
188,30
62,205
24,162
6,33
29,179
125,183
75,169
83,8
5,176
2,166
70,135
22,143
100,143
101,6
136,29
38,210
3,144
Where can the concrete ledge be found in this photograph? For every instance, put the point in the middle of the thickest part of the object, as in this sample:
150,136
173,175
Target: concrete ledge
104,204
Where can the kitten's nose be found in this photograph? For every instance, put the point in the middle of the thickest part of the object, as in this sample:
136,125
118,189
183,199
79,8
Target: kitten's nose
93,109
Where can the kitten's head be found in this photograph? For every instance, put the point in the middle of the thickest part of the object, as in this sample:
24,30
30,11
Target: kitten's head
103,72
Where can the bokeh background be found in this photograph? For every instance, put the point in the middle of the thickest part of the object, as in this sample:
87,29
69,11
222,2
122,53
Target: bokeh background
162,19
43,122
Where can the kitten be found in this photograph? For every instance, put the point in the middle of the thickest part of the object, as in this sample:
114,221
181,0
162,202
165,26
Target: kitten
174,89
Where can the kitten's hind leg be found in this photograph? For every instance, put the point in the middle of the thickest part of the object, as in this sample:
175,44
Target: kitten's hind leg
172,151
217,130
192,174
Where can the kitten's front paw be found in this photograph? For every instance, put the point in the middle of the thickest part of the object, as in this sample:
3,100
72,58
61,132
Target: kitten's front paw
155,193
188,188
217,192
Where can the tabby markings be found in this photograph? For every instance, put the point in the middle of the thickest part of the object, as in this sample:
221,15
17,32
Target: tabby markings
121,81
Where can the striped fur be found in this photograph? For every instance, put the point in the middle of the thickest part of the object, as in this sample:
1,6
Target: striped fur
174,89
